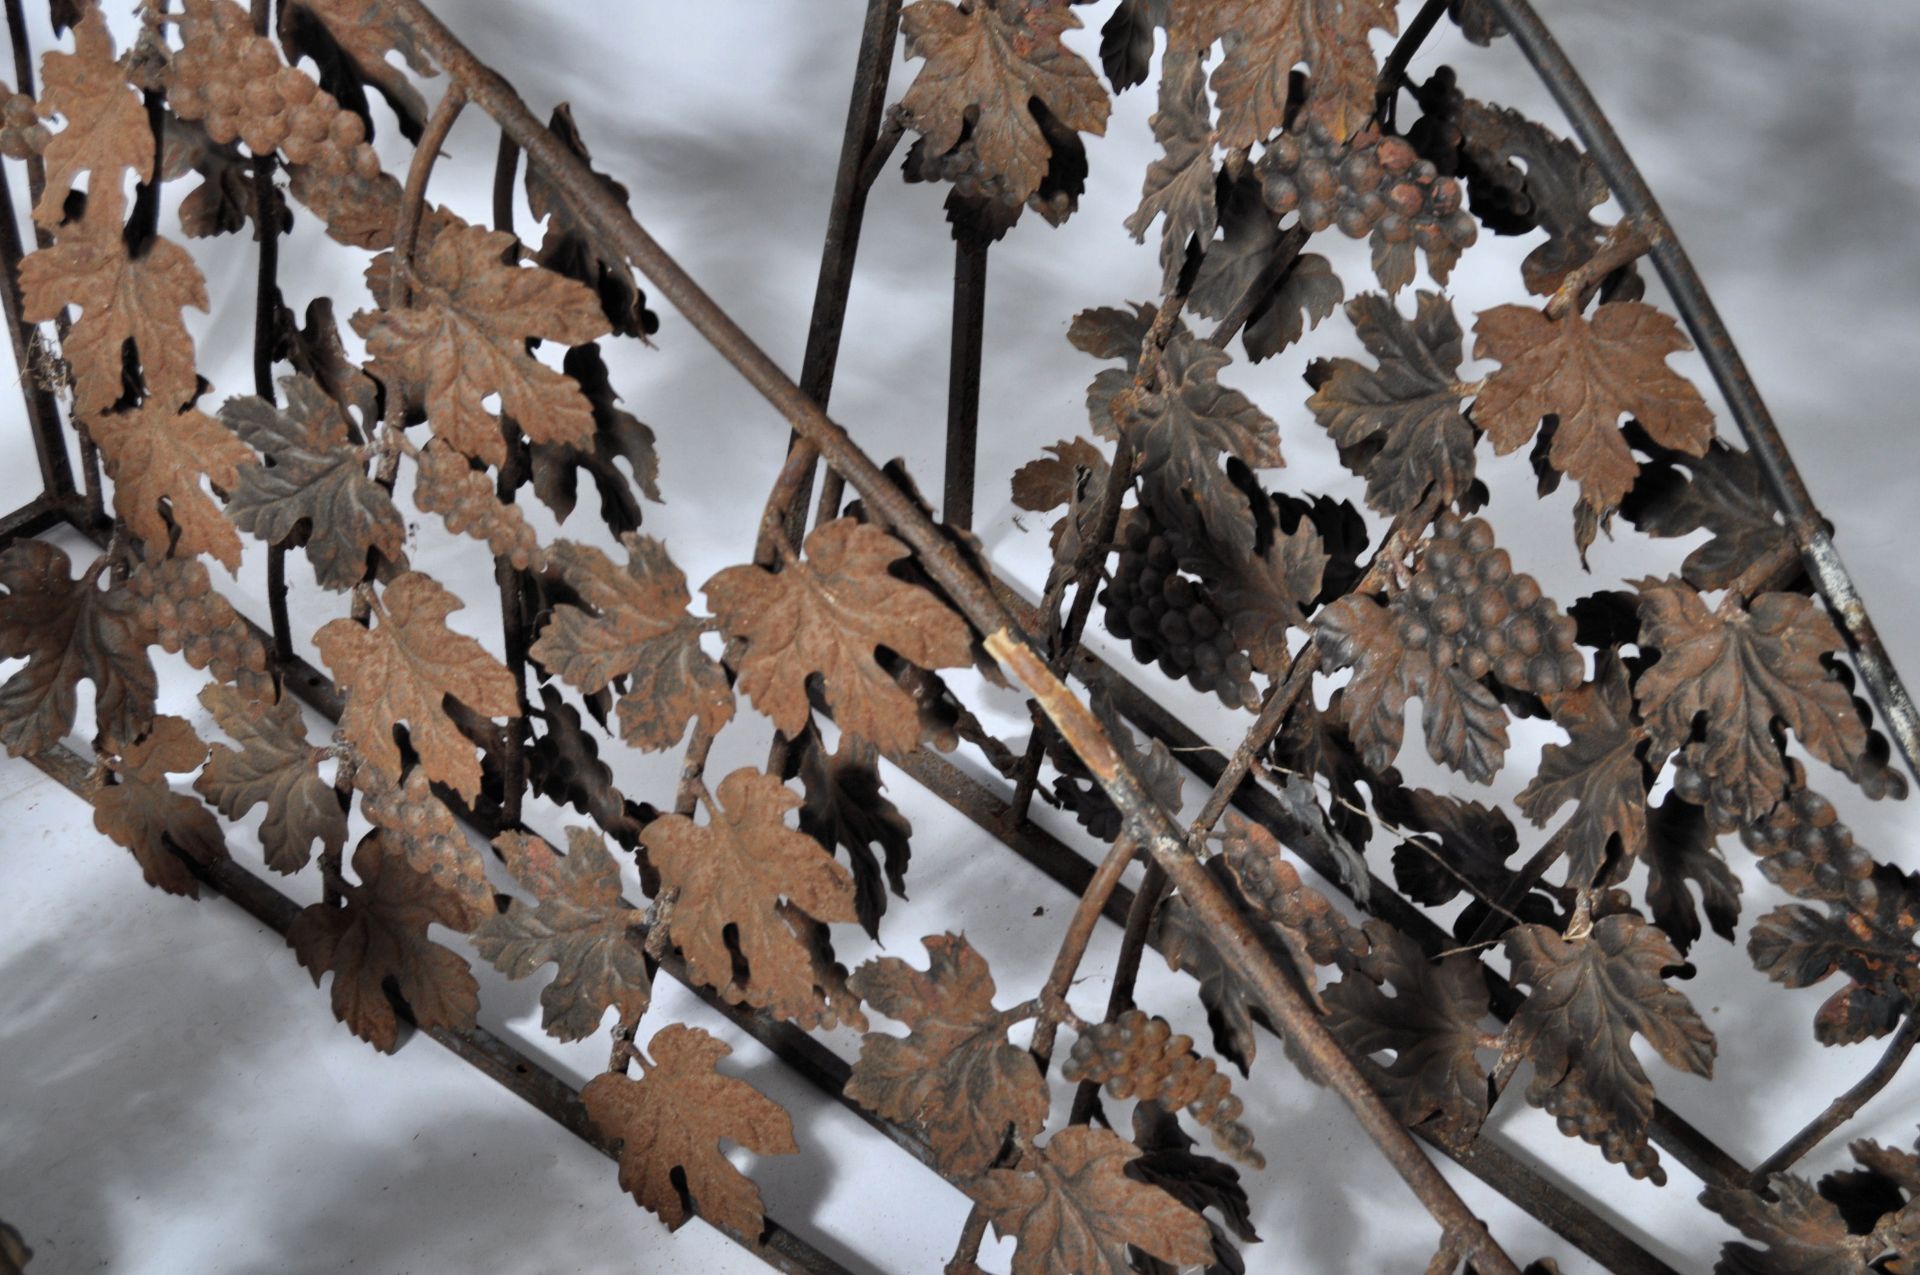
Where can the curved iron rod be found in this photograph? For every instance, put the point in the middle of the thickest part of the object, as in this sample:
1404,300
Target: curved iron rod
1729,370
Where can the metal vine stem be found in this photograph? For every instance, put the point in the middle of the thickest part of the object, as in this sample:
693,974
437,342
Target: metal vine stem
995,610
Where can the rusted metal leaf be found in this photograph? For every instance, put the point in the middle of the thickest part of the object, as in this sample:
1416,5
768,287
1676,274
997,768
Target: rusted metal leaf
955,1075
731,874
67,630
671,1121
166,831
1072,1209
827,613
638,630
310,481
378,934
1590,995
984,65
464,340
399,671
578,924
1400,425
1266,39
1431,1024
276,767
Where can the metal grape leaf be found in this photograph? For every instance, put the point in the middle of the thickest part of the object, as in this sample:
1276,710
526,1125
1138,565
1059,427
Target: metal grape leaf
1250,243
1432,1026
1586,373
377,935
315,350
157,458
463,496
224,201
731,874
563,764
1255,263
573,248
983,67
276,767
670,1122
351,49
1126,41
1182,428
465,339
1180,184
1465,849
1589,997
1746,669
1680,848
1466,729
1167,1160
69,629
844,807
1521,175
579,924
311,480
638,629
1266,39
828,613
618,434
954,1076
1072,1209
106,134
402,669
1399,425
1261,597
121,298
1869,939
1306,294
1601,769
1804,1233
164,829
1722,491
1074,474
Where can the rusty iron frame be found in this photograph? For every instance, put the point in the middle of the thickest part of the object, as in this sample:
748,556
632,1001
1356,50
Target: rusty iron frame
870,137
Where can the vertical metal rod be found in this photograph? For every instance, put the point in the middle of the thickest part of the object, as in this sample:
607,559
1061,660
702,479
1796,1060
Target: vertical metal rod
1729,370
845,217
963,375
513,609
266,324
43,414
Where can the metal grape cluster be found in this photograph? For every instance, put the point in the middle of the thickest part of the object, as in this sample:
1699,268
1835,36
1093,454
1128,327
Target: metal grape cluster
1275,123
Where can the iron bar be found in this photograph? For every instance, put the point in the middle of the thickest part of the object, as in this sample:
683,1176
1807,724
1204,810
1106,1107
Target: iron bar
846,215
1845,1107
43,513
266,323
497,1059
43,413
1729,370
967,346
